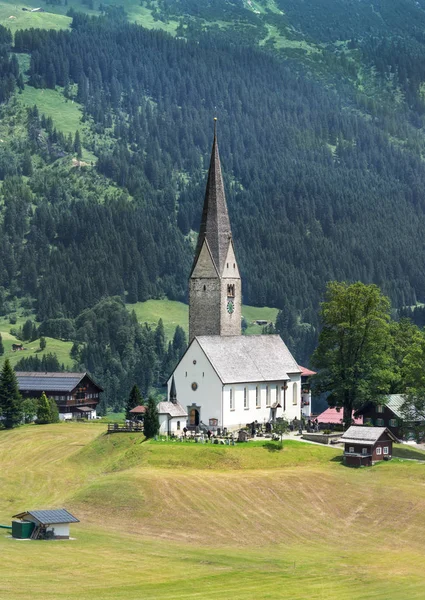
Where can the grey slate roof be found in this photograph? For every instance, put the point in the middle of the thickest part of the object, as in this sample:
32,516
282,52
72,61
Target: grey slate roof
172,409
215,222
365,435
248,358
48,517
48,382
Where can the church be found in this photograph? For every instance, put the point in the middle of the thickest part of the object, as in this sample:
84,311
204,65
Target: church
226,379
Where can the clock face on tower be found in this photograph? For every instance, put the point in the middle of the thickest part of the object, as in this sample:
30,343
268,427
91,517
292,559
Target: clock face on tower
230,306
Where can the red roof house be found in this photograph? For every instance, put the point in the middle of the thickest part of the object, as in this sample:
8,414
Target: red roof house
333,416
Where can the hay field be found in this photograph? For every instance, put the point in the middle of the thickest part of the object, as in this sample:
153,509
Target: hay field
162,520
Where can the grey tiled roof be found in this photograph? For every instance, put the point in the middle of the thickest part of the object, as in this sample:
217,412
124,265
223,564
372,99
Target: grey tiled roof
169,408
47,517
365,435
48,382
244,358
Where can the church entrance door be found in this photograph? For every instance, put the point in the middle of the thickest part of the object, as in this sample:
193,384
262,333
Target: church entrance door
194,416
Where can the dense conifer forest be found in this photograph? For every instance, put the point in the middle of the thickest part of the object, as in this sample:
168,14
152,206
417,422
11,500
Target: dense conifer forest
322,153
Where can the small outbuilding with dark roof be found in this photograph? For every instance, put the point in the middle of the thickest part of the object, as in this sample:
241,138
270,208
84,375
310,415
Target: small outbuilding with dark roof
363,446
51,524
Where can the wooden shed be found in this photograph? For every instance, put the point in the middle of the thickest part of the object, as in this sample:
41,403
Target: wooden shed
48,524
363,446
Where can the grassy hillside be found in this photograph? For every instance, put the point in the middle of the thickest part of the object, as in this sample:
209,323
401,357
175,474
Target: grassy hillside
13,17
167,521
58,347
175,313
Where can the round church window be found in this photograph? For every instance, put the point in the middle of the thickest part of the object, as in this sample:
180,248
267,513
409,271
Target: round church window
194,386
194,362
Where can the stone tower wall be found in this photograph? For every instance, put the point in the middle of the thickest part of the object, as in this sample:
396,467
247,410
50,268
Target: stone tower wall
230,323
204,306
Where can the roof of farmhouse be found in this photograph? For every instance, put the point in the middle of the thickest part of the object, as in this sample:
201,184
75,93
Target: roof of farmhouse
365,435
50,382
248,358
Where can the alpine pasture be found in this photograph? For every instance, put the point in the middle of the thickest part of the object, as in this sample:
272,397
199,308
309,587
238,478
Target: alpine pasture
168,520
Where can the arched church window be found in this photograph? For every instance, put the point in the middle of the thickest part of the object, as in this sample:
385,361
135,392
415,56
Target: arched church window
178,425
205,288
295,393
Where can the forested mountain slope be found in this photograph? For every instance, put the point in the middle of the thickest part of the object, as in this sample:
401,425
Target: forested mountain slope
321,136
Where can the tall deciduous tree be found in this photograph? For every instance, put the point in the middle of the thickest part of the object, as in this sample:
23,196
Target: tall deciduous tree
10,398
135,399
151,420
353,352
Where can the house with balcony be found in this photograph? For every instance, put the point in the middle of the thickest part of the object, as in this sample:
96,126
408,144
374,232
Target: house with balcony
76,394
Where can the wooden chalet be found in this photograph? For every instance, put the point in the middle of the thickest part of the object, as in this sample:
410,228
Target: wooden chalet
363,445
76,394
389,414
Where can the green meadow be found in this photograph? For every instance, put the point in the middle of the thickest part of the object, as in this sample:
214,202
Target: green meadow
58,347
167,520
175,313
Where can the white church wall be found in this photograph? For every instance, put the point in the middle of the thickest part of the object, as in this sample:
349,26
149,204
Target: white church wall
194,368
237,413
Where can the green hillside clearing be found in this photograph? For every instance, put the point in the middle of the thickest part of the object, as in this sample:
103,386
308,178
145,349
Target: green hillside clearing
13,17
175,313
168,521
58,347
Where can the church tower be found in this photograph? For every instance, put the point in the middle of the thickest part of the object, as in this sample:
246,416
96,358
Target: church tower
215,291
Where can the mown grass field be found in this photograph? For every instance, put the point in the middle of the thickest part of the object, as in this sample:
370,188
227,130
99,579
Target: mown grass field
175,313
164,521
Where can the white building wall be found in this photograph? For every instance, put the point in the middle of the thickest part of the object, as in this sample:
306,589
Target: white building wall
208,391
268,395
173,425
61,529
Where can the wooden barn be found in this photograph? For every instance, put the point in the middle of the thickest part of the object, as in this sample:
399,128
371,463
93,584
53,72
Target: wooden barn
363,446
76,394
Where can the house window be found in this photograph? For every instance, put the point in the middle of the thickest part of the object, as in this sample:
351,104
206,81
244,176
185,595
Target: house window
257,398
393,422
245,399
386,450
380,422
294,394
232,403
178,425
267,396
380,408
378,450
351,449
364,450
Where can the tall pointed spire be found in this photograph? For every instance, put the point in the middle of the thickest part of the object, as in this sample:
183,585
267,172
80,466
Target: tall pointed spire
215,223
173,392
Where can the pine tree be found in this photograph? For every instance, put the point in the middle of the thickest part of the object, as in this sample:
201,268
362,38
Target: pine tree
77,145
43,343
135,399
1,346
43,410
10,398
151,420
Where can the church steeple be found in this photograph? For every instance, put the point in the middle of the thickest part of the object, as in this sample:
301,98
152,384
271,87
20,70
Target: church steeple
215,223
215,284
